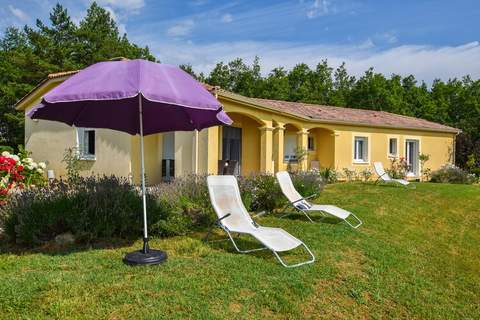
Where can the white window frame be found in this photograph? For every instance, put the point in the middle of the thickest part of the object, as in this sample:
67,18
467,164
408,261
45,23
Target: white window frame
366,149
397,151
80,136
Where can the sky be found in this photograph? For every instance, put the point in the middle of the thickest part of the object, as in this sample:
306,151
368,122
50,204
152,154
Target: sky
427,38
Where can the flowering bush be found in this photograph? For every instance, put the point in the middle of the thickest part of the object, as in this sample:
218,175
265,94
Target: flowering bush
329,175
16,173
366,174
398,168
349,174
450,173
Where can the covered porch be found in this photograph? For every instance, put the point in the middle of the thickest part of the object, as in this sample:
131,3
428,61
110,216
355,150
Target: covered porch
257,145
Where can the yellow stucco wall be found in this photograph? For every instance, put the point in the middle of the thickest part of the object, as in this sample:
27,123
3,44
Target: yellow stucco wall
153,158
439,146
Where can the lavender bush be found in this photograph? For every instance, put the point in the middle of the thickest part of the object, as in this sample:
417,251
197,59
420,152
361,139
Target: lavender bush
104,207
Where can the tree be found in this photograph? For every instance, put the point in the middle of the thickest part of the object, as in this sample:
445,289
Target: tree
342,86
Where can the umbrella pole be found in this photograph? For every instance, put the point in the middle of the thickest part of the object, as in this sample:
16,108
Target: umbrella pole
146,248
145,256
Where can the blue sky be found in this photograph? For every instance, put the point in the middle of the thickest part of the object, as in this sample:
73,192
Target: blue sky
427,38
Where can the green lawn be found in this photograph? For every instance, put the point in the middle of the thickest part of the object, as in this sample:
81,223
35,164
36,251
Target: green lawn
416,256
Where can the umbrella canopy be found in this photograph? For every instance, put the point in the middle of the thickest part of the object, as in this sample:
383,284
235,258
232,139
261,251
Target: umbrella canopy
138,97
106,95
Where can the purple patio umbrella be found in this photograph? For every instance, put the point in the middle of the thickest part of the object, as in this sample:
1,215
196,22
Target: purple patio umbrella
137,97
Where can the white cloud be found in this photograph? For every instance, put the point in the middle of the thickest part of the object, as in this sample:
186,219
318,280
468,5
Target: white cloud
388,37
123,4
112,13
19,14
367,44
318,8
425,62
227,18
182,28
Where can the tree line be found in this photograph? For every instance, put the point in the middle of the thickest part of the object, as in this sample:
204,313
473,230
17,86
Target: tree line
28,54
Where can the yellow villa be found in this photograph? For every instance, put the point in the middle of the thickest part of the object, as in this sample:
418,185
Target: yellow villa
266,136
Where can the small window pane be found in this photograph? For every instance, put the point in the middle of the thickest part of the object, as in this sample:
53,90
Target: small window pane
360,149
392,149
311,144
86,142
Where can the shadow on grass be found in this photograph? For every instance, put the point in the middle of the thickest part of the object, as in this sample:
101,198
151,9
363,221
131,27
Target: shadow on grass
315,217
54,249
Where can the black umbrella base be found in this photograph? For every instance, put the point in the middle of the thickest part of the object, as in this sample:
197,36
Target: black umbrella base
149,258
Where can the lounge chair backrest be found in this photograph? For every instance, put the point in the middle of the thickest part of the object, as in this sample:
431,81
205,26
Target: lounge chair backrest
288,189
226,199
381,171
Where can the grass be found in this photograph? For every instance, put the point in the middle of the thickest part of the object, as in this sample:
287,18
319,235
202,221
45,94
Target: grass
416,256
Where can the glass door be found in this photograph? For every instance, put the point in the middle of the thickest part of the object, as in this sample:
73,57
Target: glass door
232,147
412,152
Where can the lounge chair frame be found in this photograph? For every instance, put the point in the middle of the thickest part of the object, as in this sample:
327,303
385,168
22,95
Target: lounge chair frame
324,213
218,223
381,178
303,206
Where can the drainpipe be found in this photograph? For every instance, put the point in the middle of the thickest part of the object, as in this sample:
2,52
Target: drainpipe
454,147
196,152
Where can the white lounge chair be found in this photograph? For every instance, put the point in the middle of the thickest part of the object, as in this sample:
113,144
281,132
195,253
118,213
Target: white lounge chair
301,204
385,177
234,218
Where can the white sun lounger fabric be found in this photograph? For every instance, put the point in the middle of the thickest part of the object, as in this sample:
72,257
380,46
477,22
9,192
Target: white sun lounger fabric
383,175
298,202
234,218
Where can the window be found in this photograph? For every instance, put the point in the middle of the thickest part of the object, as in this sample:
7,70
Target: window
392,147
360,152
290,147
311,144
86,143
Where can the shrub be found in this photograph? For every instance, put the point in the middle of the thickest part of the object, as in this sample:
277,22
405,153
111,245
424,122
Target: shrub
452,174
328,175
398,168
90,209
103,207
184,203
476,172
349,174
308,183
261,192
366,174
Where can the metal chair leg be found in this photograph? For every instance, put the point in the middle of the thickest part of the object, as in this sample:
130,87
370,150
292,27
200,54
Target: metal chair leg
312,259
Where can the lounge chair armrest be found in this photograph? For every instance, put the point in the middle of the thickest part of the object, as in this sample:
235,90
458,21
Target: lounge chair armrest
225,216
311,196
217,222
297,201
304,205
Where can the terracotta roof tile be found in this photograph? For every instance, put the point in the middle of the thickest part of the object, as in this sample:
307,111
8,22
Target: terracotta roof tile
61,74
352,116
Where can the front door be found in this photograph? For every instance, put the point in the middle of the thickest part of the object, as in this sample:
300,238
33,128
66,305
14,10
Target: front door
232,146
412,151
